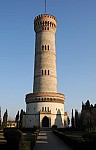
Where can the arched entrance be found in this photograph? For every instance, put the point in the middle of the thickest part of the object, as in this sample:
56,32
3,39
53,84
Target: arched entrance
45,122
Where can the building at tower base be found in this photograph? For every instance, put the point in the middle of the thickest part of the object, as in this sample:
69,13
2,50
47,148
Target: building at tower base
44,107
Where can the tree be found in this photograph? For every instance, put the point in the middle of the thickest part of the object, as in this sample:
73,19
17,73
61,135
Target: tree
17,119
72,120
21,118
5,117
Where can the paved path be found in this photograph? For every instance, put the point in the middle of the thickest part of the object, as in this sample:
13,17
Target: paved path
47,140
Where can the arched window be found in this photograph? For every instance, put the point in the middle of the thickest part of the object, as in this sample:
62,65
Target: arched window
45,72
48,47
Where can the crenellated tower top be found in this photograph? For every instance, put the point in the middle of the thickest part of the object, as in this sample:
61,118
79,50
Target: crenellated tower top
45,22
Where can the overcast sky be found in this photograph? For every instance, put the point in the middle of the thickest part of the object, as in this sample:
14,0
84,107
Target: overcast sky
75,51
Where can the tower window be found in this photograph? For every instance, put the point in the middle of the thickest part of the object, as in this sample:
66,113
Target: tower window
48,72
48,109
48,47
42,72
45,108
45,47
42,108
42,47
45,72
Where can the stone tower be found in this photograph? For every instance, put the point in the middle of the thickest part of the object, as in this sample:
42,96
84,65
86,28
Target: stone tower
44,107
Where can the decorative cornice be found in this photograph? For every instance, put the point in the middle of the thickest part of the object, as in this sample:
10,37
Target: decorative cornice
45,97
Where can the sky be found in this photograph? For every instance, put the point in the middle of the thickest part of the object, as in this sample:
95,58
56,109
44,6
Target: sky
75,51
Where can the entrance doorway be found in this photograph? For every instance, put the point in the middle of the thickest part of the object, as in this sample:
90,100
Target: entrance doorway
45,122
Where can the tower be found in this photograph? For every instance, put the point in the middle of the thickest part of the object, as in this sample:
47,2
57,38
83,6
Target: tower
44,107
45,79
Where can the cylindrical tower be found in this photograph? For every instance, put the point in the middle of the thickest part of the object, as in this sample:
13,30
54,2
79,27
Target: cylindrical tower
45,79
44,107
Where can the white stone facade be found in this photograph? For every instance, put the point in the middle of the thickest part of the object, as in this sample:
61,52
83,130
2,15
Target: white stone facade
44,107
37,111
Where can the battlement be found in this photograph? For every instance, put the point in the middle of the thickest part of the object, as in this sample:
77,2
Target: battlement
44,16
45,22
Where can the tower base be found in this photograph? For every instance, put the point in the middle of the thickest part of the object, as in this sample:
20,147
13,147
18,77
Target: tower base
44,110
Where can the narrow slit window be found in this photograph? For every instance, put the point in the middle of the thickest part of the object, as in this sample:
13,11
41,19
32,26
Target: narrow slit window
42,108
45,108
48,47
42,72
48,72
48,109
42,47
45,72
45,47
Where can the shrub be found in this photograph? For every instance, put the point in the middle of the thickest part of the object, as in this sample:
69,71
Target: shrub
54,127
90,136
35,127
13,137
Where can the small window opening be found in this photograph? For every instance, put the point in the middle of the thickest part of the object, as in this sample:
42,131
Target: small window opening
45,108
42,47
45,47
42,72
42,108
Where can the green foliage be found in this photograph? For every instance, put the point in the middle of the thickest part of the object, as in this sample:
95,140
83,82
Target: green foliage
12,135
17,119
5,117
90,136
